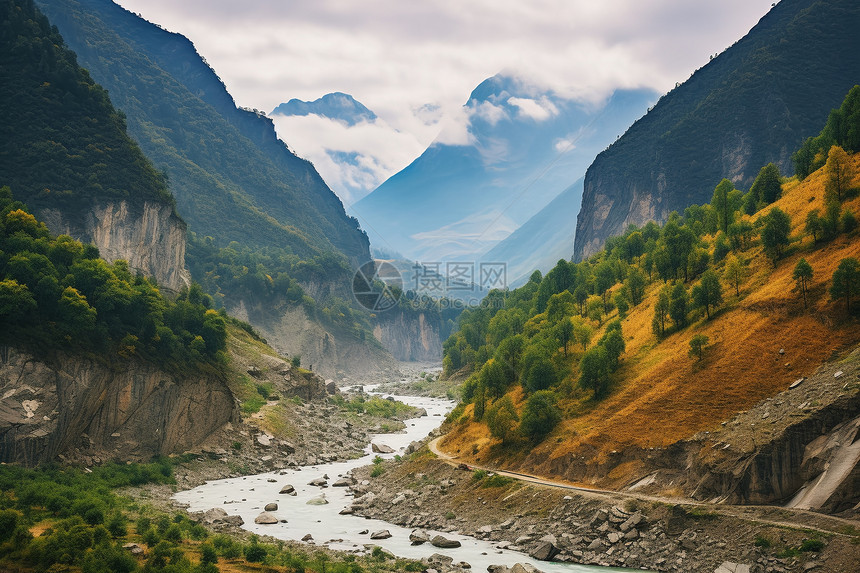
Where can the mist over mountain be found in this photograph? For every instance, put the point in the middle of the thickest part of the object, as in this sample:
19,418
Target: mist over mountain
520,147
540,242
337,105
753,104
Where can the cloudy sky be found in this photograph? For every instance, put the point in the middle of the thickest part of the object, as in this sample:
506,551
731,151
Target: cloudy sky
414,62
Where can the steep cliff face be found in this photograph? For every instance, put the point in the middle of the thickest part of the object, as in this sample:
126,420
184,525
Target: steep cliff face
753,104
332,355
149,236
409,337
77,406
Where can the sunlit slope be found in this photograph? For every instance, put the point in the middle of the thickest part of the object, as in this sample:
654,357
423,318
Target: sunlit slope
760,342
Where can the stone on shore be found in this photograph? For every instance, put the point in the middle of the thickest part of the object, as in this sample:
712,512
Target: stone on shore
265,518
444,542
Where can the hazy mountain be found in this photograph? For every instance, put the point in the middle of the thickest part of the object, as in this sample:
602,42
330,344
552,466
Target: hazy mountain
338,106
542,240
220,159
755,103
521,148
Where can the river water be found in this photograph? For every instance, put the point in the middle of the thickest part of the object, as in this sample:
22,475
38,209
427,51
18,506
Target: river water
246,497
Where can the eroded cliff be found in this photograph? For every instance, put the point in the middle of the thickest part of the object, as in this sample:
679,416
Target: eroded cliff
409,337
78,406
333,355
148,235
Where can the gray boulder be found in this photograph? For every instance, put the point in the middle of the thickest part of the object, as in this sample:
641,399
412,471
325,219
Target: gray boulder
271,507
419,536
444,542
382,534
288,489
544,551
265,518
381,449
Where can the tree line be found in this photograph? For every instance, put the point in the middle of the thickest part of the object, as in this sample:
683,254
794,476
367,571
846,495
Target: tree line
57,294
539,337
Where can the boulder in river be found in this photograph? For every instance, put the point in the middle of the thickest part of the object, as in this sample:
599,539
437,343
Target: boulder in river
524,568
271,507
318,500
444,542
382,534
265,518
419,536
343,482
321,481
381,449
288,489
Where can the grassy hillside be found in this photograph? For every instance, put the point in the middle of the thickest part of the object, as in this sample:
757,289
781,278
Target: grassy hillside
760,339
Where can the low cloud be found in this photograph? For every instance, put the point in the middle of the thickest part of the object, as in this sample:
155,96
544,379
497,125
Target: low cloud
536,109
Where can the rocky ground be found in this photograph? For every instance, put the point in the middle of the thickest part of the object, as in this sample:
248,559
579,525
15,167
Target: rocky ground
604,529
419,379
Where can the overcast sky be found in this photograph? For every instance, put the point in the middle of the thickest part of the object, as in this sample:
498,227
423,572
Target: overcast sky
414,62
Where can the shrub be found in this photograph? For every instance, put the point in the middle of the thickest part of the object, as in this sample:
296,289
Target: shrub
255,553
540,416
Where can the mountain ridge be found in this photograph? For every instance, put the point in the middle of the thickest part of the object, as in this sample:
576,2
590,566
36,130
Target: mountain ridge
719,124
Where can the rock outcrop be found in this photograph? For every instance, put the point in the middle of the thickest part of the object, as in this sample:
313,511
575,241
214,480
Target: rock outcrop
331,354
410,337
149,235
750,105
81,408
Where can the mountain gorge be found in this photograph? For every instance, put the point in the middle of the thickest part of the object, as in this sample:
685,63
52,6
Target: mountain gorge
520,148
220,159
753,104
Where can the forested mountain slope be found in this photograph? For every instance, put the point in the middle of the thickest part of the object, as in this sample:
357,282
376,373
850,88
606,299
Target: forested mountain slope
220,159
65,151
751,105
610,369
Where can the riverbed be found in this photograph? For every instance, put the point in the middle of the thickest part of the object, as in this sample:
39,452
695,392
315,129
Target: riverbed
247,496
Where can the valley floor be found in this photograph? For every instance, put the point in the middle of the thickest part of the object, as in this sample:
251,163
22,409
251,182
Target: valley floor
602,527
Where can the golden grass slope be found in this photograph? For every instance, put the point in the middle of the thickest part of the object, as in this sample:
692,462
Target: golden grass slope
662,395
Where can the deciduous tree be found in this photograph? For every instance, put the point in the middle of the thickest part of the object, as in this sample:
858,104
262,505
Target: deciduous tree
802,276
709,292
838,172
846,278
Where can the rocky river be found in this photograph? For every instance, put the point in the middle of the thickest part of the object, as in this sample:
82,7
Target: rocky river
312,504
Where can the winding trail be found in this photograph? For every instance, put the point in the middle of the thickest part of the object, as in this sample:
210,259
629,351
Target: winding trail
802,518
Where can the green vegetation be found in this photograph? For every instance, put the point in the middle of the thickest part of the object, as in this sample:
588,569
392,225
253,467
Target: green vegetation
842,129
82,525
373,406
57,293
846,281
697,345
531,337
64,145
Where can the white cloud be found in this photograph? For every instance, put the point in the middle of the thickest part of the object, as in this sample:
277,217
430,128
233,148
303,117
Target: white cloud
536,109
379,150
414,63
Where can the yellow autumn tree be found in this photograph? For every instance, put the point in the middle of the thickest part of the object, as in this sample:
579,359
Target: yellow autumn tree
838,173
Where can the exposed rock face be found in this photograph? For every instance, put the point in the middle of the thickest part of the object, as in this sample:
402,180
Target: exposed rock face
749,106
149,236
291,332
78,406
409,337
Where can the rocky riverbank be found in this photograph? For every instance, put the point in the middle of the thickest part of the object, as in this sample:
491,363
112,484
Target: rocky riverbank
603,529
